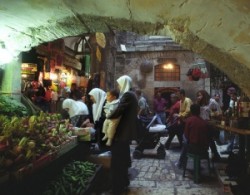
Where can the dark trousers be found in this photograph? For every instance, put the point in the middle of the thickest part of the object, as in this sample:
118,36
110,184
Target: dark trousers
120,162
213,147
213,134
176,130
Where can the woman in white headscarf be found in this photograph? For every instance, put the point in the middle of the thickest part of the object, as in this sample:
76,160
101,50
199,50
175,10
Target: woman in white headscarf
125,132
77,110
124,84
98,98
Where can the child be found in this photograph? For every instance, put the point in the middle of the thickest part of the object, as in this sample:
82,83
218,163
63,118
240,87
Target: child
110,125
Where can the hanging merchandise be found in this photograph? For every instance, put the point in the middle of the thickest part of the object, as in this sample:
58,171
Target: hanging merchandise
194,74
87,65
98,54
100,39
197,71
85,62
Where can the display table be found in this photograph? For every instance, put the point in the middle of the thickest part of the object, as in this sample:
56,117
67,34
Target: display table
232,129
242,131
34,176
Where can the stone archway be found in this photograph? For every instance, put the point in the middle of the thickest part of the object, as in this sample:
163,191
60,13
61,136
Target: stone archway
217,30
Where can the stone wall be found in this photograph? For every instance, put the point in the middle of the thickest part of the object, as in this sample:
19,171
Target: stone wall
129,63
11,80
218,30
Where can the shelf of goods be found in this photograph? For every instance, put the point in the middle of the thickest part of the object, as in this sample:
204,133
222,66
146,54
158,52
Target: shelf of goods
29,143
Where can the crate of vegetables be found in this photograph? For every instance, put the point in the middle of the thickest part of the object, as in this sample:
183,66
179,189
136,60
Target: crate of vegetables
75,178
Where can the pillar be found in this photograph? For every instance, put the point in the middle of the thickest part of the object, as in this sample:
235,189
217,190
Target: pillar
11,83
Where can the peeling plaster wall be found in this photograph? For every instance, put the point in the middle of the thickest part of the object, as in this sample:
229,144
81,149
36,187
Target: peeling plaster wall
218,30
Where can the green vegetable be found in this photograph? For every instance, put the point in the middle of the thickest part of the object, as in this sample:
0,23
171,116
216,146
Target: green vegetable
11,107
73,179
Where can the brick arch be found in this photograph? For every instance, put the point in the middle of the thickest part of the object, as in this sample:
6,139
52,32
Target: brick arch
224,43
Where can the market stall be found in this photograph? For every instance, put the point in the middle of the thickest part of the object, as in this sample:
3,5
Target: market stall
35,145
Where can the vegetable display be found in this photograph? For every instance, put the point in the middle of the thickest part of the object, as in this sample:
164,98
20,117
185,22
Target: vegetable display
11,107
25,140
74,179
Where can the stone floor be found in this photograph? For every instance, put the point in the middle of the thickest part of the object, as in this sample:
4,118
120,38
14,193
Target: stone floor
155,177
152,176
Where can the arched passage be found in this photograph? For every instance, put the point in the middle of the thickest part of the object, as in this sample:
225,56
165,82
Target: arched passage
218,30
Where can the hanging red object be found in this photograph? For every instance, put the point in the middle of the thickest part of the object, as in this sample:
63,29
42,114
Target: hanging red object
194,74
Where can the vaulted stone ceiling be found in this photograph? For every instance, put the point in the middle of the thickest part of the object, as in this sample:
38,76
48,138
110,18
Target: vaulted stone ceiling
218,30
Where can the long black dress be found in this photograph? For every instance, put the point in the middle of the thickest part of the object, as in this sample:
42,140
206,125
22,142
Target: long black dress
125,132
99,135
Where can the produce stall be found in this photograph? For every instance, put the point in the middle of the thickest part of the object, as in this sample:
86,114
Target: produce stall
75,178
35,145
11,107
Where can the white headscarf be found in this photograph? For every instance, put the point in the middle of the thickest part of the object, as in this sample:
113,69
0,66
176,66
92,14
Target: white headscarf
125,83
84,109
74,107
100,97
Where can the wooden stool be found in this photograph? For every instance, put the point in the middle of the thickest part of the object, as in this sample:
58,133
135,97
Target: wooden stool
197,159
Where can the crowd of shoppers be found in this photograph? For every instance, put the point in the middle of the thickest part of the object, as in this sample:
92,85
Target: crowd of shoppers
160,106
114,116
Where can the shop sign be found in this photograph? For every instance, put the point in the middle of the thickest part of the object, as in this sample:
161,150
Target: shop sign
27,68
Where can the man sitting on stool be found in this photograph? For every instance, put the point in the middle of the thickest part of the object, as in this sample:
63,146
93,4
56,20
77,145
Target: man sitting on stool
196,136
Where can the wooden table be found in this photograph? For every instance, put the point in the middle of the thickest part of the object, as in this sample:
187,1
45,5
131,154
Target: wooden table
244,136
232,129
39,178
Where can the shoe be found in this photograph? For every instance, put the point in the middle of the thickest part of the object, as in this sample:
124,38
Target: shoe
109,142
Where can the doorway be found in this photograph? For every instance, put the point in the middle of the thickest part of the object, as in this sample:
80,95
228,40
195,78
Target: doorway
166,93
